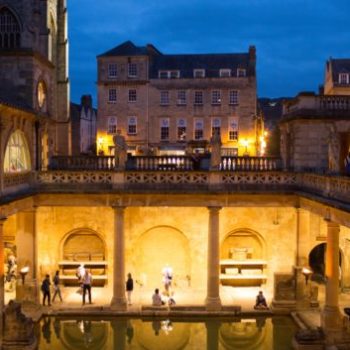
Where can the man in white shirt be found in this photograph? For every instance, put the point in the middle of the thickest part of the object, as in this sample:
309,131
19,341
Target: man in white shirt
87,281
156,299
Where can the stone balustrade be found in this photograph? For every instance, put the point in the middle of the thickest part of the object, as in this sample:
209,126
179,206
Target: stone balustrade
82,163
250,164
334,102
160,163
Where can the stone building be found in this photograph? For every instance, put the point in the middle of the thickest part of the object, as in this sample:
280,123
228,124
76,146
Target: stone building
337,77
83,121
164,102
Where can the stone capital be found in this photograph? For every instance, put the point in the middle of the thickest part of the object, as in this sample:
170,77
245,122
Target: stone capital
214,208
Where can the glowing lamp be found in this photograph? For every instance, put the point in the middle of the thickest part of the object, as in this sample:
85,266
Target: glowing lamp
306,272
24,270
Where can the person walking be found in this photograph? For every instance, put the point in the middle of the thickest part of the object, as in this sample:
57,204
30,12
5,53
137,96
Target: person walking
45,288
87,281
129,287
56,286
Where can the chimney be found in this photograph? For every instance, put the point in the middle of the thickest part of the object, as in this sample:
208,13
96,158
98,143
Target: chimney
86,101
252,53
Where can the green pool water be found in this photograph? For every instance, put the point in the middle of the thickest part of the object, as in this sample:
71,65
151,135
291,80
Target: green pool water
166,334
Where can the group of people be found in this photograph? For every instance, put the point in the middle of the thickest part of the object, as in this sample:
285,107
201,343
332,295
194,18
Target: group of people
84,278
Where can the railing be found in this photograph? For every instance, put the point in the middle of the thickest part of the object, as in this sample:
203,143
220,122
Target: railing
17,179
161,163
250,164
82,163
334,102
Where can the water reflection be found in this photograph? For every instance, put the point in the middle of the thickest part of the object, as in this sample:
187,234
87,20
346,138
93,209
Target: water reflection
158,334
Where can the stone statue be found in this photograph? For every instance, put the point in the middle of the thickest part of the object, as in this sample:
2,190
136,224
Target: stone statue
120,151
333,151
215,144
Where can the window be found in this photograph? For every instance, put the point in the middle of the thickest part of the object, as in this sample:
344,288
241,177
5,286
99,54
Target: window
181,129
10,33
164,98
174,74
132,125
112,95
112,125
233,129
163,74
199,73
216,97
166,74
112,70
164,129
17,156
132,95
181,97
233,97
343,78
224,73
216,126
198,129
132,70
198,97
241,72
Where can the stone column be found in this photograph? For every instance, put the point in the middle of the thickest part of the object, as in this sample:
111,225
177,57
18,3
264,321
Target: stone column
212,327
119,301
213,302
303,234
331,318
119,334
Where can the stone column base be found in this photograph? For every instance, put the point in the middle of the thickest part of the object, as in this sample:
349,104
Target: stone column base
118,304
331,319
213,304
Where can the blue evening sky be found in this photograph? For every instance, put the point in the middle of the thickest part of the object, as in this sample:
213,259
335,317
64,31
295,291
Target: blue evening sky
293,38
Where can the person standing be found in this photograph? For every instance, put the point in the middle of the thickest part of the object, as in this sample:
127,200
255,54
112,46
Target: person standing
56,286
45,288
129,287
87,280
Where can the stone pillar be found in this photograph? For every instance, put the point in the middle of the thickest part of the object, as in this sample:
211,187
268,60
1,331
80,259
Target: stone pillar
2,287
119,334
119,301
213,302
212,327
331,318
303,234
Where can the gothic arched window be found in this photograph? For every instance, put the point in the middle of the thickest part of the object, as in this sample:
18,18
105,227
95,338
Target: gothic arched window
17,158
10,32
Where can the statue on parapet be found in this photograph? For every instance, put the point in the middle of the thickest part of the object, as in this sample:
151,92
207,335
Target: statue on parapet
333,151
215,145
120,151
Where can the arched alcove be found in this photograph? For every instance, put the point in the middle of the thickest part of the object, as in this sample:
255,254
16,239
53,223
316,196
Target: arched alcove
158,247
17,156
10,29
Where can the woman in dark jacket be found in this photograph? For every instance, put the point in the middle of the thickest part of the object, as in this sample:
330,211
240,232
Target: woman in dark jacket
129,287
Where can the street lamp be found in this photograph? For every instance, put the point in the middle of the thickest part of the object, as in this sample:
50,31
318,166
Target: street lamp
245,143
306,272
23,272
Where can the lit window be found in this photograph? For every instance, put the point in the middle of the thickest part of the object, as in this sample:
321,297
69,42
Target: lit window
164,98
10,33
132,125
216,126
233,129
17,156
181,97
112,95
181,129
112,70
164,129
233,97
225,73
343,78
241,72
199,73
198,129
198,97
112,125
216,97
132,95
132,70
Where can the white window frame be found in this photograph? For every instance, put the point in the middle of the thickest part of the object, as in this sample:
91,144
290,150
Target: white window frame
112,127
174,74
241,72
233,130
199,73
112,68
233,97
132,122
164,124
342,76
165,74
215,125
112,99
196,122
132,70
181,129
181,97
195,100
130,93
216,97
164,97
225,73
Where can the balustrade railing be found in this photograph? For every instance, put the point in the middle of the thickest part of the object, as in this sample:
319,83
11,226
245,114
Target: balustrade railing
161,163
334,102
82,163
250,164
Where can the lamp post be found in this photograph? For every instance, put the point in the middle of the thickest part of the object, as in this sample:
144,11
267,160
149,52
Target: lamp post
23,272
306,272
245,143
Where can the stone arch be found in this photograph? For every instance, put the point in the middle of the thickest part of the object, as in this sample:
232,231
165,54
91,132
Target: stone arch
83,244
243,238
156,247
17,153
10,29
